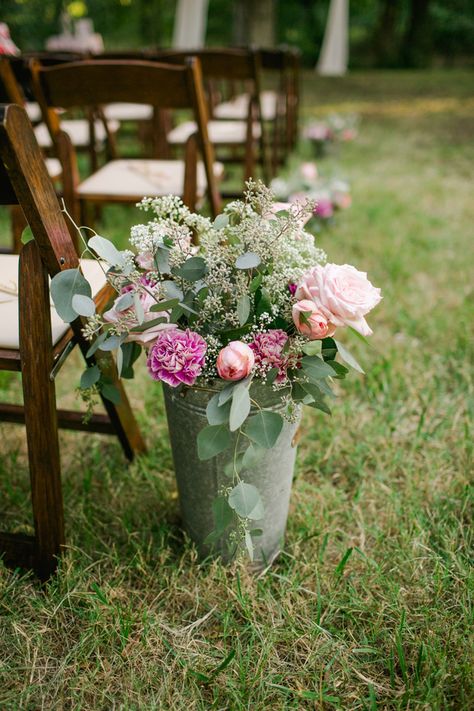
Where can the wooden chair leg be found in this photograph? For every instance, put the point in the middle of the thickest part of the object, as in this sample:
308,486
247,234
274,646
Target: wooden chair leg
40,410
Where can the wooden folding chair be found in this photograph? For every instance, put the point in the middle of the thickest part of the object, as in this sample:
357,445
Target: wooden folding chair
97,82
244,140
278,103
91,135
35,341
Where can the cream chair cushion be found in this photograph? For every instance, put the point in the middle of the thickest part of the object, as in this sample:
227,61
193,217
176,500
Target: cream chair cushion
34,111
53,166
9,331
238,107
220,132
134,179
78,132
128,112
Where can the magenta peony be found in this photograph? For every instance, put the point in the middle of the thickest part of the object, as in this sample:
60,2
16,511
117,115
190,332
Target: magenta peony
268,350
177,357
235,361
342,294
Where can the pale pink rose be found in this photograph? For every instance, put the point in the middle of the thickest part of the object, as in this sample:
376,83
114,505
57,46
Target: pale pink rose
235,361
145,260
342,200
309,171
129,317
310,321
342,294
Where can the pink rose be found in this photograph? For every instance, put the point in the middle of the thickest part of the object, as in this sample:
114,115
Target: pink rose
309,171
342,294
235,361
309,320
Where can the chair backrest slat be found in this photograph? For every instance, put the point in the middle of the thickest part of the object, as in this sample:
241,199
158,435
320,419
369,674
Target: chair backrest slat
24,180
95,82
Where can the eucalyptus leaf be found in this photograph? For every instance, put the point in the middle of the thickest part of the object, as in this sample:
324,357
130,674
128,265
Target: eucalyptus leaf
249,260
96,344
111,392
64,286
246,502
83,305
106,250
264,428
212,440
124,302
165,305
217,414
348,358
90,377
192,269
119,361
315,368
148,324
240,406
243,309
220,222
255,283
313,348
172,290
139,311
111,343
226,393
252,455
162,256
264,304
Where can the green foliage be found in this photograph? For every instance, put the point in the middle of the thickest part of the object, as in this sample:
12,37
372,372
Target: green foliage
64,286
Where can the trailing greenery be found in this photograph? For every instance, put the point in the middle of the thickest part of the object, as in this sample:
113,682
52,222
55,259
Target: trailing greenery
370,607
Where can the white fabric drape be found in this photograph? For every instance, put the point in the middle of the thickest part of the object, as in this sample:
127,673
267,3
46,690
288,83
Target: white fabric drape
190,24
335,49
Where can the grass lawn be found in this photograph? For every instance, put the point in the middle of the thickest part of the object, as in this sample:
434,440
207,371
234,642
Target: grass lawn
370,605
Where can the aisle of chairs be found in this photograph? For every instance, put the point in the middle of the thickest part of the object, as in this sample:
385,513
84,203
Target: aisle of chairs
201,120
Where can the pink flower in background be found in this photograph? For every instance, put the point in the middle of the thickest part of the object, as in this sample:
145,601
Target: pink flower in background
342,200
317,132
235,361
310,321
177,357
268,348
349,134
309,171
342,294
324,208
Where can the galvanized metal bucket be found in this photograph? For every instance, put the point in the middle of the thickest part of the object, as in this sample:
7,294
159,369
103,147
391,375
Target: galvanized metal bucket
199,483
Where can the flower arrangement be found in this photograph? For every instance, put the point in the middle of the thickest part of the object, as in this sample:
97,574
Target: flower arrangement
336,128
220,305
305,183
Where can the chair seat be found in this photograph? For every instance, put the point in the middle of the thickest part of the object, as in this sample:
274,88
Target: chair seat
77,130
9,332
53,166
33,110
237,108
221,133
133,179
128,112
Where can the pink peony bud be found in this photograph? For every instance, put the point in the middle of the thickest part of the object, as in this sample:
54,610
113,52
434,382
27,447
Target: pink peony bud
235,361
309,320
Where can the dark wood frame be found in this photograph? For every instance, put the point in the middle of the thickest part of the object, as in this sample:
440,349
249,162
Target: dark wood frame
24,181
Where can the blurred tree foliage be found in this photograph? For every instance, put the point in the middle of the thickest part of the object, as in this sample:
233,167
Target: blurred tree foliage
382,32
